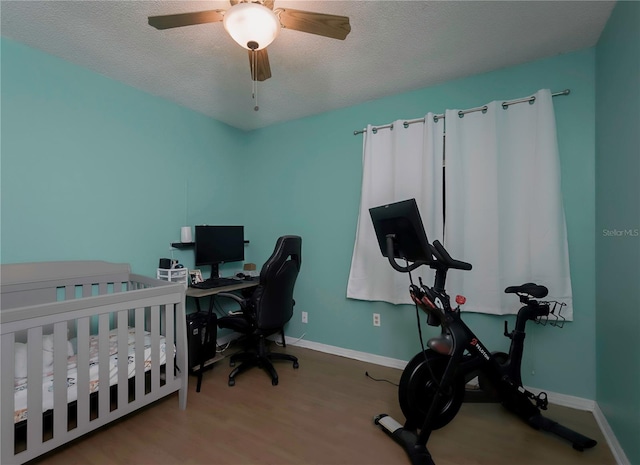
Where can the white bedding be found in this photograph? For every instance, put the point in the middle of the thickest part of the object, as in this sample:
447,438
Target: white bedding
20,383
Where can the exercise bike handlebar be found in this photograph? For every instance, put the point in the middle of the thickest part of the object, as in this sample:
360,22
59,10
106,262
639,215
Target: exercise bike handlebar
392,259
443,257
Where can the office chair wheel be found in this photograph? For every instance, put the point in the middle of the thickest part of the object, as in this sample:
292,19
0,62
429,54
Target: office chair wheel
296,365
232,382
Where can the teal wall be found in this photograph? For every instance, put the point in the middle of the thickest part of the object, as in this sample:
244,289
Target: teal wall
310,173
94,169
618,209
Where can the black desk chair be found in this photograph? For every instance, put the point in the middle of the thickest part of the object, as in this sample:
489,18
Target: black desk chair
267,310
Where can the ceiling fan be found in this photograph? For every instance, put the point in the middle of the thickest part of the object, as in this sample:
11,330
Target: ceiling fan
254,24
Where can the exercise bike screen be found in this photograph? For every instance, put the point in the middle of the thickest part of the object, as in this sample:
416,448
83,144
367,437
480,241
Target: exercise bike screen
403,220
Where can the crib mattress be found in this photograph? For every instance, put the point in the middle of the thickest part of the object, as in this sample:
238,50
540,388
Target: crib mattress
20,384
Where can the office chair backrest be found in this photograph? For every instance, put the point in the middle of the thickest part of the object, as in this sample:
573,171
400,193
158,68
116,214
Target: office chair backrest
273,299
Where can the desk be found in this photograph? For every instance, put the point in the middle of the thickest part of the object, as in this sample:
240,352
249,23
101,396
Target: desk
242,284
197,294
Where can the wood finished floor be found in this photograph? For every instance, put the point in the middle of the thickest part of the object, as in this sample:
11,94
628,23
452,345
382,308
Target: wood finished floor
320,414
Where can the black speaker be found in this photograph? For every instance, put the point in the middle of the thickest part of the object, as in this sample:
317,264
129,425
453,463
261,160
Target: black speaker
199,349
165,263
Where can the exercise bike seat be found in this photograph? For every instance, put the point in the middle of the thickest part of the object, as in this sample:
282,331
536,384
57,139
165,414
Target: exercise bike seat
532,289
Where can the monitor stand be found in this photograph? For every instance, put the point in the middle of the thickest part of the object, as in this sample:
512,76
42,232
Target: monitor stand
215,271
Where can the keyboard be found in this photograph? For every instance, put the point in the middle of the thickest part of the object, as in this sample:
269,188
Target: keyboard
217,282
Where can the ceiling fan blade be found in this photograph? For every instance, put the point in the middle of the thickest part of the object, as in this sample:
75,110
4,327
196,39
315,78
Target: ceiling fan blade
186,19
262,70
336,27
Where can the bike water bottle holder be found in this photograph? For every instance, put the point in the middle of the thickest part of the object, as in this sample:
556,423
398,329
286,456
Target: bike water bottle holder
554,317
432,302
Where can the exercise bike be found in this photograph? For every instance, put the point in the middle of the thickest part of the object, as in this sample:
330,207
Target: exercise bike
433,384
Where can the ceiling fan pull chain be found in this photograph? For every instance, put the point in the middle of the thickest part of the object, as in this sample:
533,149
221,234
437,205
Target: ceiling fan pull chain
254,75
255,95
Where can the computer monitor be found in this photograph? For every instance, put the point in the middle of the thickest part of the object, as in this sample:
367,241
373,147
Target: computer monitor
402,219
215,245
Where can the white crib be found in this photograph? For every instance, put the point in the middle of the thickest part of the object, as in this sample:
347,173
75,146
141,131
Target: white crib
74,318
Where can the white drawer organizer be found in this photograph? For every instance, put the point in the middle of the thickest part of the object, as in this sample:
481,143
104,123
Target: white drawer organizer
175,275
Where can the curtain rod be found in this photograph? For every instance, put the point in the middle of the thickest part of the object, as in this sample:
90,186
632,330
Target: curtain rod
461,113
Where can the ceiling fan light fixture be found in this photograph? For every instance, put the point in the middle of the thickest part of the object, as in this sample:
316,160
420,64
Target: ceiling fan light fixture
250,24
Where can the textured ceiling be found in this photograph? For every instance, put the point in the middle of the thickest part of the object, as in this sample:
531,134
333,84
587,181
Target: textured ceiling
394,46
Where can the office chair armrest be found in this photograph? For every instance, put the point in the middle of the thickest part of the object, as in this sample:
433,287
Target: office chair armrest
237,298
245,304
246,310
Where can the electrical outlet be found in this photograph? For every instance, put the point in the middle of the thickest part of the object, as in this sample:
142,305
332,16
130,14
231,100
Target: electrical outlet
305,317
376,319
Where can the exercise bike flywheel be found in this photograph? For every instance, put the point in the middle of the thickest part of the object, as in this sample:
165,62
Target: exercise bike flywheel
418,386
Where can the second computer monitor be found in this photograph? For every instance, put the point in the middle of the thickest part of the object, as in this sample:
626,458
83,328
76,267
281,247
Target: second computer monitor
218,244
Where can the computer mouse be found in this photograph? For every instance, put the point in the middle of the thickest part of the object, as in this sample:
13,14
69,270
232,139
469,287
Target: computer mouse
241,276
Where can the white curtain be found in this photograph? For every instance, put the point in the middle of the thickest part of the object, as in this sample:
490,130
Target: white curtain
398,164
504,209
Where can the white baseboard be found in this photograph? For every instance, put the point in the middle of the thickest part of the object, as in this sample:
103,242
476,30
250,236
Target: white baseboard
612,441
564,400
348,353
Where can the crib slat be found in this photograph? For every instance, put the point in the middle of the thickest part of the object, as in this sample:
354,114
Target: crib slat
139,352
60,354
7,361
34,396
86,290
123,359
155,348
169,341
69,292
103,365
83,409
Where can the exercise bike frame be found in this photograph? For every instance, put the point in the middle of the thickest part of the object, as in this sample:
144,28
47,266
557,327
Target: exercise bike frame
466,356
478,357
